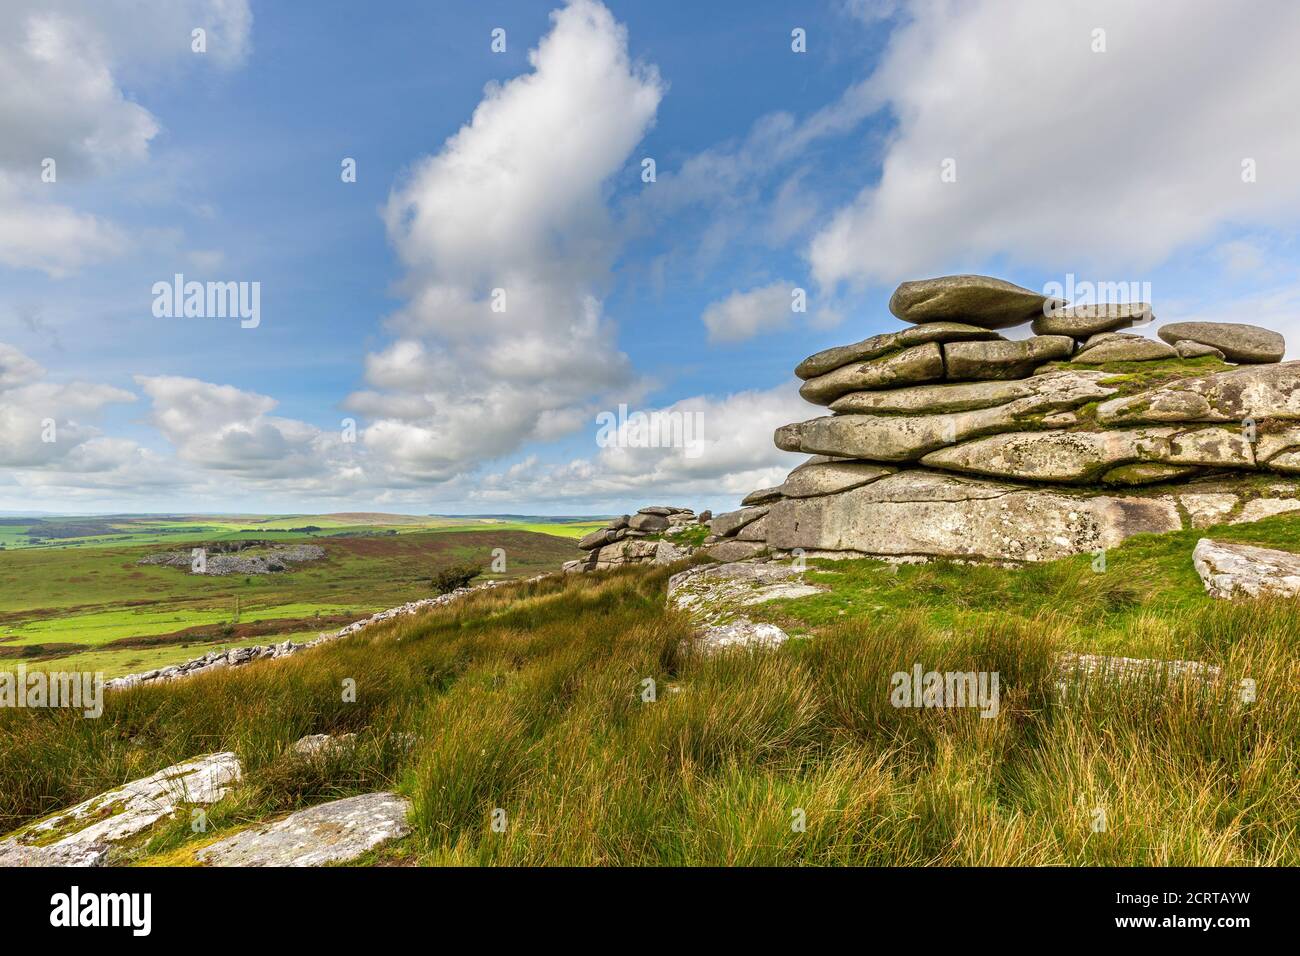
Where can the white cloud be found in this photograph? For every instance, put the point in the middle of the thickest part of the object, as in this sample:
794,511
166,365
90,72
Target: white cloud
46,424
735,455
742,315
62,98
226,429
513,201
1065,157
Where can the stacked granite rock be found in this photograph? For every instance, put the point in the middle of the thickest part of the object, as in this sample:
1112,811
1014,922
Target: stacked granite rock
947,439
635,539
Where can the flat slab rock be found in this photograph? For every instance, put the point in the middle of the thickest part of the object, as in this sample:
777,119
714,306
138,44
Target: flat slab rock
84,834
1231,570
927,514
334,832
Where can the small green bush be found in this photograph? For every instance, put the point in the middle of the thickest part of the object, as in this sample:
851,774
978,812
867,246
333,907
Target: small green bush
456,576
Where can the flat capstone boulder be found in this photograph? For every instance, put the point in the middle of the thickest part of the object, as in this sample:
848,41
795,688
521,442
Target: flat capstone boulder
970,299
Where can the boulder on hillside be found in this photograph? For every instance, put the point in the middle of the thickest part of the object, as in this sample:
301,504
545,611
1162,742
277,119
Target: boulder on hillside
970,299
1237,341
649,523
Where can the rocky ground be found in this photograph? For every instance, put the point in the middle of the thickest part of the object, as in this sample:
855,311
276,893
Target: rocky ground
269,561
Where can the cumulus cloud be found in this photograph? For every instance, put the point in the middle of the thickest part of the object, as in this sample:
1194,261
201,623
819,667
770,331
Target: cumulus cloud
742,315
507,241
46,424
62,99
725,451
227,429
1065,156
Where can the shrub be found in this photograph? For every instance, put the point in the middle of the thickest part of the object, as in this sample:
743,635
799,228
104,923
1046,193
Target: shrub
456,576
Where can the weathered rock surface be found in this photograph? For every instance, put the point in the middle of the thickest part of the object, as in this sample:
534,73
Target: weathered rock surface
1075,670
83,835
1081,321
1231,570
1188,349
734,550
1062,389
715,597
1237,341
761,496
1136,349
334,832
1073,457
826,478
1258,392
725,525
974,300
879,345
648,522
920,363
930,514
1004,360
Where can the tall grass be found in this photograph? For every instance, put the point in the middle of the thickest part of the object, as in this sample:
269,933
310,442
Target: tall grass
529,700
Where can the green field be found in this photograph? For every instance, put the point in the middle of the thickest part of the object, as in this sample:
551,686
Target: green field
81,605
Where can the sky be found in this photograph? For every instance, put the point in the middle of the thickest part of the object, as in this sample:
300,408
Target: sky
566,216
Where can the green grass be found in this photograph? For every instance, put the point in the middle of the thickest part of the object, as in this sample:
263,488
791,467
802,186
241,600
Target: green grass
77,601
528,699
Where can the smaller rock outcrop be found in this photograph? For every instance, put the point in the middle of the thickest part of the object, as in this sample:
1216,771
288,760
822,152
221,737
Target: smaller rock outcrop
1241,570
642,538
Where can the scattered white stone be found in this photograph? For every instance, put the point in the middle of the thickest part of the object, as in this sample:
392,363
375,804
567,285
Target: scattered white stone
1243,570
84,834
714,596
334,832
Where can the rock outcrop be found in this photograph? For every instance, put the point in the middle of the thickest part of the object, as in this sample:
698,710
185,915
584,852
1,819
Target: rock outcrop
643,538
83,835
716,596
947,440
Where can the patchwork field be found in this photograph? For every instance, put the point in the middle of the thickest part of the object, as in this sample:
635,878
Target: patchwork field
82,605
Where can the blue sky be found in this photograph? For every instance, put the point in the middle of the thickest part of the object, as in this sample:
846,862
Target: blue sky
1118,156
